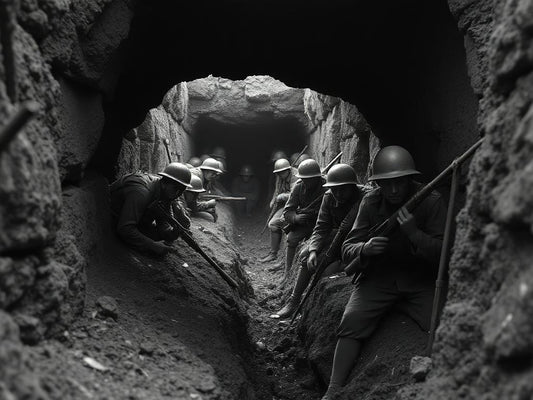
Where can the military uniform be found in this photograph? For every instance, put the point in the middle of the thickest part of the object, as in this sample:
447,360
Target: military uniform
136,223
282,190
302,201
404,274
330,217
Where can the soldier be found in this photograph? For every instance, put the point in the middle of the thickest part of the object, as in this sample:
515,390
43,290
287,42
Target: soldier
285,181
133,200
208,172
246,185
343,195
197,208
276,155
218,154
399,269
301,211
194,162
295,161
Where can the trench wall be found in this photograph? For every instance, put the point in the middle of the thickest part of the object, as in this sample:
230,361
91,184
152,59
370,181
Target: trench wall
484,343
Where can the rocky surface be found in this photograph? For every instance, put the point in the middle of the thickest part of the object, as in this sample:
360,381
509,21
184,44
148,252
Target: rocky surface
483,347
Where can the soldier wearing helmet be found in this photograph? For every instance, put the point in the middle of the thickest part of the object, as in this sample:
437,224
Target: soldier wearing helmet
301,211
194,162
208,172
295,160
137,221
285,180
198,208
342,196
246,185
401,268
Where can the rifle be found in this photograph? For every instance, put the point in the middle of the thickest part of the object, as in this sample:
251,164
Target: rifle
390,224
187,238
287,227
300,154
221,198
332,253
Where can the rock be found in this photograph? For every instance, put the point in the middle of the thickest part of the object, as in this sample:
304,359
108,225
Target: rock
420,367
146,348
31,328
107,307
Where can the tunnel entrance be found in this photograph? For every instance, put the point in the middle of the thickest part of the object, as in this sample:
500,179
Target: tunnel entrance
249,143
406,71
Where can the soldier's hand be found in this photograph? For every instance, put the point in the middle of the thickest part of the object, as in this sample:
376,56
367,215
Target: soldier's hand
211,203
312,261
406,221
376,245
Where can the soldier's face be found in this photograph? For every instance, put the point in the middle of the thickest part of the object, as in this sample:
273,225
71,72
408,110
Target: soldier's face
284,174
311,183
171,189
342,193
209,175
394,190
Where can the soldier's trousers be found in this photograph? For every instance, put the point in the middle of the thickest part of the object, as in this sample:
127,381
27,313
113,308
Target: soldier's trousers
371,299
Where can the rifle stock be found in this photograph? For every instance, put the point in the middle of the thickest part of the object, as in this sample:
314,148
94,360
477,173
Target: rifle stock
389,225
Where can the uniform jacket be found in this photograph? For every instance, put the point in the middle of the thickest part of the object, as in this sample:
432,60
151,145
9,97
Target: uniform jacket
130,197
411,262
330,217
284,187
299,200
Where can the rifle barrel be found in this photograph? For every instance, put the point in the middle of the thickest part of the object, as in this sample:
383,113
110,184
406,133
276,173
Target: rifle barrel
327,167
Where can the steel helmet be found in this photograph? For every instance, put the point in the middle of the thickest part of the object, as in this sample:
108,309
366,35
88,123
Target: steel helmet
196,185
392,162
211,164
218,152
195,161
308,169
340,174
276,155
281,165
178,172
246,170
222,165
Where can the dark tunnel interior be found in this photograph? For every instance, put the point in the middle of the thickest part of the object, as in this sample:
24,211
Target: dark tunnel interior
402,63
250,144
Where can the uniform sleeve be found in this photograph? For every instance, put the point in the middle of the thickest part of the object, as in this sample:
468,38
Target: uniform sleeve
289,212
135,203
427,240
323,225
353,244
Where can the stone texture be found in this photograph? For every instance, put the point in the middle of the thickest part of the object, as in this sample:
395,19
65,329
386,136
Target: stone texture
83,121
420,367
483,345
107,307
17,381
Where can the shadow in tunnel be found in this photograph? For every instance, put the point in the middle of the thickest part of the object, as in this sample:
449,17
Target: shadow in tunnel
251,144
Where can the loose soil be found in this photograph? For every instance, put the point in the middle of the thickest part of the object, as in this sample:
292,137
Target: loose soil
166,345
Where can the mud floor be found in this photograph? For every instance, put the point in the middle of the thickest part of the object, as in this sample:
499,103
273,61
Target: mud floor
160,343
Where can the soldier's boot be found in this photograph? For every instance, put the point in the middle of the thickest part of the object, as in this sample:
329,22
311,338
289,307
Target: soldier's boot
289,257
275,241
294,301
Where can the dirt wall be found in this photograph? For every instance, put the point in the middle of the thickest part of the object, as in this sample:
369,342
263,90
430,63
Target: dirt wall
483,347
